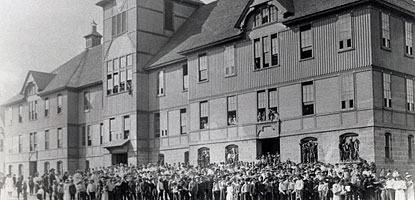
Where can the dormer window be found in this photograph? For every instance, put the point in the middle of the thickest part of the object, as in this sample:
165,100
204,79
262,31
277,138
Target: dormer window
266,15
31,89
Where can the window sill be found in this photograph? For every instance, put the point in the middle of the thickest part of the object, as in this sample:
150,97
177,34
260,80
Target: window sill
266,68
309,115
113,94
161,95
306,59
232,125
186,90
204,81
386,48
409,56
348,109
87,111
346,50
230,75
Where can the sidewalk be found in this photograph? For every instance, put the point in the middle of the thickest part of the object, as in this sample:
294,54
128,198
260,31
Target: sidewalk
4,196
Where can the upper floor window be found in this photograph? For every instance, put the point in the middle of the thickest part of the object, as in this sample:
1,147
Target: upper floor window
267,105
32,90
203,67
410,94
101,131
386,36
347,88
20,143
86,101
229,56
83,136
266,52
127,127
308,98
60,138
274,49
185,77
168,15
60,104
33,110
20,113
119,24
265,16
183,121
160,83
408,38
89,135
410,147
33,141
345,31
111,129
204,115
47,135
387,94
157,125
47,105
388,146
306,42
119,74
231,110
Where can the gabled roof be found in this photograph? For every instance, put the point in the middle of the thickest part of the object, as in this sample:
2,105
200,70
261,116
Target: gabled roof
42,79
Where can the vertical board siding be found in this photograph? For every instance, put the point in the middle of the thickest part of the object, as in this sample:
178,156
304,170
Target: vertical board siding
327,59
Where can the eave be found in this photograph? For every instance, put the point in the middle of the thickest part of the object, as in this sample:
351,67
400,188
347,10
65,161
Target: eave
229,39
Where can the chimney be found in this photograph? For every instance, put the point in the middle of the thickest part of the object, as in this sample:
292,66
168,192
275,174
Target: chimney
94,38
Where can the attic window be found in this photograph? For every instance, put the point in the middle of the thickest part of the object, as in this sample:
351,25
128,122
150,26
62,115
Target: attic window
31,89
266,15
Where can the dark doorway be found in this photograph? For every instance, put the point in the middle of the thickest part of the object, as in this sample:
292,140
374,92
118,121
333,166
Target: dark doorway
266,146
32,168
121,158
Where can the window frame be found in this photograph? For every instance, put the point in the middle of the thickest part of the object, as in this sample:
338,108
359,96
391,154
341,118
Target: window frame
387,90
185,76
388,146
204,117
410,147
305,98
408,39
205,67
304,49
119,24
232,110
89,135
385,31
183,121
59,138
126,128
348,92
87,102
410,95
59,104
229,60
110,129
47,139
345,27
20,113
161,83
47,107
83,136
119,74
156,124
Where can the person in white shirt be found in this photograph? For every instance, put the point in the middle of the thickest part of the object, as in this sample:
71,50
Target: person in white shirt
390,187
410,192
298,188
91,190
400,188
8,184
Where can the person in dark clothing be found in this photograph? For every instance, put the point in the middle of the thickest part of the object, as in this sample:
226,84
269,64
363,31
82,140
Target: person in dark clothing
131,190
31,185
19,186
72,190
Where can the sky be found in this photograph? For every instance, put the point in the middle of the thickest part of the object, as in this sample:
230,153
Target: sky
41,35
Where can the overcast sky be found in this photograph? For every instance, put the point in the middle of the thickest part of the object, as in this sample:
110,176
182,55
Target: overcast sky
41,35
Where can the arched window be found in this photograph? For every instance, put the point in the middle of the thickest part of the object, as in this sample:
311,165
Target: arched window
161,159
46,167
203,156
232,154
388,146
410,147
309,150
186,157
20,169
349,146
10,169
86,164
59,167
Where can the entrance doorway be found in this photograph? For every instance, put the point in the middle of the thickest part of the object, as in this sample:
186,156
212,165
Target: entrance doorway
32,168
121,158
265,146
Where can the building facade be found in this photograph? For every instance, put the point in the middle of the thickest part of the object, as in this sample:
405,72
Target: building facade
180,81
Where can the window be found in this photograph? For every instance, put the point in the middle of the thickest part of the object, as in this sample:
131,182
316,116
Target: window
386,36
47,107
183,121
119,24
83,137
86,101
203,67
47,139
33,141
33,110
229,60
10,170
1,145
408,38
349,147
60,103
308,98
161,159
266,15
387,94
20,170
232,154
157,125
10,115
257,54
89,135
204,115
127,127
20,143
231,106
347,86
203,157
265,52
306,42
168,15
410,94
160,83
111,128
119,74
59,167
185,77
309,150
101,131
60,138
410,147
274,49
46,167
388,146
20,113
267,105
186,157
345,31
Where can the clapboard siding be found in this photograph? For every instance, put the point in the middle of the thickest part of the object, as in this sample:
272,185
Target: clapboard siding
327,59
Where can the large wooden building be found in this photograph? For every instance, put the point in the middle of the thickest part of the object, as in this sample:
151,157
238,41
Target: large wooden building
181,81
